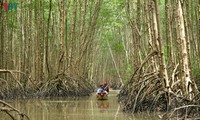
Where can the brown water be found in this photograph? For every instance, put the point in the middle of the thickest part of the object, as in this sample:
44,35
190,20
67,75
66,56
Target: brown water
85,108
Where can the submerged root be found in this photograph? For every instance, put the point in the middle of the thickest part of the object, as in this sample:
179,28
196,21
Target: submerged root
184,108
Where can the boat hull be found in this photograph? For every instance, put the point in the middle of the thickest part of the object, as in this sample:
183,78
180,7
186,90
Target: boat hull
102,96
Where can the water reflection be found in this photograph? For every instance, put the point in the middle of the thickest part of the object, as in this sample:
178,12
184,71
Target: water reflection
103,105
86,108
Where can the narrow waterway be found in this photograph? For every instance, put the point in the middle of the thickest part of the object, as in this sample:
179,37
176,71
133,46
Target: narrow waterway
85,108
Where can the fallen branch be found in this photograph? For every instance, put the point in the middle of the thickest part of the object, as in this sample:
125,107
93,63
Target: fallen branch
7,108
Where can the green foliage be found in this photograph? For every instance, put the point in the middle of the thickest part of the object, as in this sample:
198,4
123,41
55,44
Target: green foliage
128,73
112,19
196,72
196,68
165,54
118,47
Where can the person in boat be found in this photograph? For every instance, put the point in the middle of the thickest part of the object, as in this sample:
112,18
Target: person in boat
101,90
105,87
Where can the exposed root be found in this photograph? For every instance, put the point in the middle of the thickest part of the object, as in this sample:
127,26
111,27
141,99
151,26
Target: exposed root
63,85
12,74
60,85
145,92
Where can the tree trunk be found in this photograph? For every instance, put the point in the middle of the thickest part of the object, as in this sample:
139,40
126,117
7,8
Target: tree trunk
47,42
62,52
169,41
162,70
73,38
185,70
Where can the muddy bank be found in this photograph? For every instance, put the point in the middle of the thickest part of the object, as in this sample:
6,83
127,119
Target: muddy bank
60,85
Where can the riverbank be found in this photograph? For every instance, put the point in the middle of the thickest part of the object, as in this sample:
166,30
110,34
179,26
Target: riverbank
60,85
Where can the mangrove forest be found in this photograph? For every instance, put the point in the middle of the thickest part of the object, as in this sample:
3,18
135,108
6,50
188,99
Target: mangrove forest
149,50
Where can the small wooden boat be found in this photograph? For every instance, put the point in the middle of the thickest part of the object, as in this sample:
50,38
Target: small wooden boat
102,96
